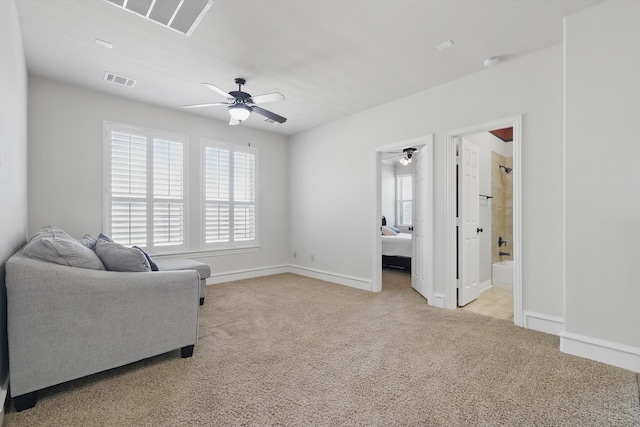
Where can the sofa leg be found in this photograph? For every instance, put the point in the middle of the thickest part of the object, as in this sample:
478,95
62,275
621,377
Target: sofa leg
25,401
202,301
187,351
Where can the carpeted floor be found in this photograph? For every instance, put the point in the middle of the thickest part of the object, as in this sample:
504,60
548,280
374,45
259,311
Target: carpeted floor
293,351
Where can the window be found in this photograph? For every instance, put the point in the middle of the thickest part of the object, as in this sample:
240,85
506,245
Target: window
145,188
230,207
404,196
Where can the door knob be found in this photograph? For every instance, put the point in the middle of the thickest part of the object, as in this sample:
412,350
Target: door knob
479,230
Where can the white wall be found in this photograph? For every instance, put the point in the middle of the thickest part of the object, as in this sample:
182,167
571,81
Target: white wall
65,165
602,217
337,195
13,159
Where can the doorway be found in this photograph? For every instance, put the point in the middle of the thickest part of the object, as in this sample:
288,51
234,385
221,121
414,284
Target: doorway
462,259
421,212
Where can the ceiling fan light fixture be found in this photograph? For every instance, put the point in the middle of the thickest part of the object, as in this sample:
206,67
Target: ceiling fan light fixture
408,154
239,112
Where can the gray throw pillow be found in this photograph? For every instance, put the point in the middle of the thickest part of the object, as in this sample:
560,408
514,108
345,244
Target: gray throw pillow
51,232
89,241
64,252
120,258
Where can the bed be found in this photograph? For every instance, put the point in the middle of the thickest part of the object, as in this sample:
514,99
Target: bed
396,248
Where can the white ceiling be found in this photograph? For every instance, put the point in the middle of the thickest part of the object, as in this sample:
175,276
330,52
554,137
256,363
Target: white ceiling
329,58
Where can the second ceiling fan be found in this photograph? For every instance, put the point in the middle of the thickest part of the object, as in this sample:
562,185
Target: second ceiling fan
241,104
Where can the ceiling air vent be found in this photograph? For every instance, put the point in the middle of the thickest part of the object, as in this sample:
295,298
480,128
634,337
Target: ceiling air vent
114,78
182,16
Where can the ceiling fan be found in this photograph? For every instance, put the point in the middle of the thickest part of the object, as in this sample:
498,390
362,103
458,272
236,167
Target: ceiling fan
241,104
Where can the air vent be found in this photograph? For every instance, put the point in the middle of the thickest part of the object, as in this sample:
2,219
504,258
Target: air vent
114,78
182,16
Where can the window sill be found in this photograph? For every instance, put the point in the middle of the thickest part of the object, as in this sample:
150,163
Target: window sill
207,253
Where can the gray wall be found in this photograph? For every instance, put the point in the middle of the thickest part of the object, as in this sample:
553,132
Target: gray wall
602,217
531,85
13,155
66,177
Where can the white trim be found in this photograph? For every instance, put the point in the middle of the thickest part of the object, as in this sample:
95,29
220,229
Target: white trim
622,356
438,300
327,276
206,253
553,325
450,202
485,286
250,273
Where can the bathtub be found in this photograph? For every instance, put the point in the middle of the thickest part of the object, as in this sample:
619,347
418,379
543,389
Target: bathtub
502,274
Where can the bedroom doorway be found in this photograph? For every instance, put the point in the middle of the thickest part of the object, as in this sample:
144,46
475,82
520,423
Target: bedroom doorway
408,212
466,251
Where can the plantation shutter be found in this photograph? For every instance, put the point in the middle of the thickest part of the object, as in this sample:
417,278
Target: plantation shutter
147,189
405,196
230,195
217,195
244,196
129,189
168,193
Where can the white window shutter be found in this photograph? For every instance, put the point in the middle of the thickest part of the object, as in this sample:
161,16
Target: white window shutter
128,188
230,195
147,179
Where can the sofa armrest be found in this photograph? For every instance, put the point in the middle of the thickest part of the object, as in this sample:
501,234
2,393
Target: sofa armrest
64,323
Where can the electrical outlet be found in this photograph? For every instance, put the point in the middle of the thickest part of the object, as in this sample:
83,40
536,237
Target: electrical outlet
313,257
295,255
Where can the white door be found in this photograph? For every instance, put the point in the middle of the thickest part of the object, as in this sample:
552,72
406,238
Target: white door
468,222
420,202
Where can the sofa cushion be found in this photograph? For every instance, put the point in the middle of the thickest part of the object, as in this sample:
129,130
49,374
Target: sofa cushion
64,252
117,257
170,264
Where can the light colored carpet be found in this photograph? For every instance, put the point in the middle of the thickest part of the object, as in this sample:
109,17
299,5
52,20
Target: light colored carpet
289,350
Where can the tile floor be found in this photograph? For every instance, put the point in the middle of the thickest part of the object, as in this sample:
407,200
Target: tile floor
494,302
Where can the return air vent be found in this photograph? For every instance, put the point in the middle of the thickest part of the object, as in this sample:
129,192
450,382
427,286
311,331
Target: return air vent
114,78
182,16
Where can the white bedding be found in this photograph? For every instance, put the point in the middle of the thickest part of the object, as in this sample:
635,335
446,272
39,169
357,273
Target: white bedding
398,245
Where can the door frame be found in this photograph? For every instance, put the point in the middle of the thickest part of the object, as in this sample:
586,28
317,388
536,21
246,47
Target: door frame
426,142
450,200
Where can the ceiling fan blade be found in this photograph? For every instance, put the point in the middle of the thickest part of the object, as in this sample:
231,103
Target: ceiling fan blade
267,97
218,90
269,115
213,104
233,122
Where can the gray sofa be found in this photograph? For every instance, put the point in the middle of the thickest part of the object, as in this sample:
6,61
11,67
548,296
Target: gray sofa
67,319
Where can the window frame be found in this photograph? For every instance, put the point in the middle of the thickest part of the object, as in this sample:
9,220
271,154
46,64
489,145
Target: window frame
400,201
231,244
151,135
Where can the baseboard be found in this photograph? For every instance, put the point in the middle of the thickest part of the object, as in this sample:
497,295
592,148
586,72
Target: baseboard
486,285
438,300
249,273
543,323
622,356
340,279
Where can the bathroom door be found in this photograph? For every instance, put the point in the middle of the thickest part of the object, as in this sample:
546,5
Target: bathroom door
468,222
